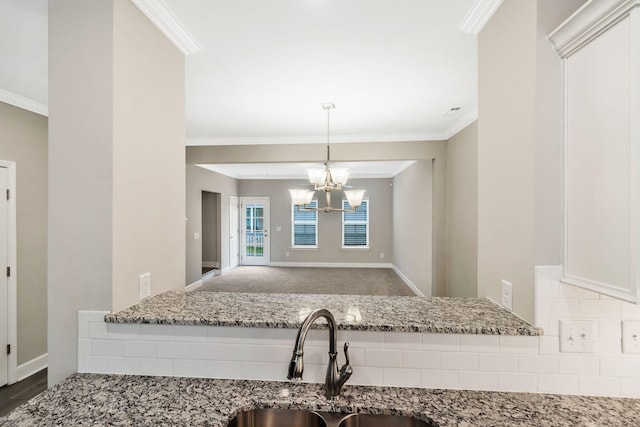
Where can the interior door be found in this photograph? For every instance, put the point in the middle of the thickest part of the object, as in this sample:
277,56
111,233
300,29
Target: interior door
255,231
234,232
4,280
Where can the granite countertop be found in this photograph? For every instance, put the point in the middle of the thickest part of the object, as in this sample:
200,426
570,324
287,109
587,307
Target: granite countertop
353,312
115,400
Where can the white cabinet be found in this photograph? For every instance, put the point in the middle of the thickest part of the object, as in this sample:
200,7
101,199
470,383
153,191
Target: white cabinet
600,49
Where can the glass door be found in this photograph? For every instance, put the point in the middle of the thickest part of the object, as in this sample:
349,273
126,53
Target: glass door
255,231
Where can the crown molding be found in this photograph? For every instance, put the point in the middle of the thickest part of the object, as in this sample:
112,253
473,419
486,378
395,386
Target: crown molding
478,16
24,103
461,123
588,22
335,139
167,22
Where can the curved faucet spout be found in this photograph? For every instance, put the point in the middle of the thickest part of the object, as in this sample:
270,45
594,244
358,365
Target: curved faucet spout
335,377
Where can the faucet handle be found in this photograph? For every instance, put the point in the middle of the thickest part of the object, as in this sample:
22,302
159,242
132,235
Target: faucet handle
346,353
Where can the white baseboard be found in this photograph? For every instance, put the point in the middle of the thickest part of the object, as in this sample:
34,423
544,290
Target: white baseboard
195,285
408,282
213,264
333,264
31,367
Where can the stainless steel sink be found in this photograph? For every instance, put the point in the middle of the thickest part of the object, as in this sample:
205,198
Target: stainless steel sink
371,420
277,418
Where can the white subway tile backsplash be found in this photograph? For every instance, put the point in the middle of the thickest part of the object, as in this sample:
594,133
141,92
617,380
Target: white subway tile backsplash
123,366
189,368
567,291
225,334
97,330
577,365
97,365
367,376
205,350
156,332
441,342
264,371
190,333
173,350
537,363
620,367
518,344
459,361
437,378
516,382
420,359
474,380
276,354
140,349
153,366
106,348
629,311
272,336
599,386
402,340
498,362
399,377
123,331
630,387
607,346
598,309
560,384
479,343
610,328
549,345
383,358
223,369
84,352
363,339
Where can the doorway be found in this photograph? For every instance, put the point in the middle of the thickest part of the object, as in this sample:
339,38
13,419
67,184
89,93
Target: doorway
211,233
254,242
234,232
8,283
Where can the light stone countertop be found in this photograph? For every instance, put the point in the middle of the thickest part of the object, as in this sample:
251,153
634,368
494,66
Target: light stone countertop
352,312
115,400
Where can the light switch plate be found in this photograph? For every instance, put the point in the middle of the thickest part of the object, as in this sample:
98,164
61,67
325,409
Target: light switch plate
576,336
631,336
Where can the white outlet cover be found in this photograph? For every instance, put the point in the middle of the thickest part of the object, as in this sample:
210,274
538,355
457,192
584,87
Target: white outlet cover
507,295
144,285
576,336
631,336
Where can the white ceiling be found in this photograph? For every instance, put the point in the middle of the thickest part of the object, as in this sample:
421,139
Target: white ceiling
392,67
382,169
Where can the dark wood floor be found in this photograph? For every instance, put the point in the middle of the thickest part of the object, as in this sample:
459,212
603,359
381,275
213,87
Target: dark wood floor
11,396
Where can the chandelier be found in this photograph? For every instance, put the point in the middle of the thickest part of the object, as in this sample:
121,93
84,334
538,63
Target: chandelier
326,179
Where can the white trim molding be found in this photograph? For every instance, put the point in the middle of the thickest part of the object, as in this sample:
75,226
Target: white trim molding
588,22
462,123
24,103
12,291
333,264
478,16
408,282
195,285
168,24
32,366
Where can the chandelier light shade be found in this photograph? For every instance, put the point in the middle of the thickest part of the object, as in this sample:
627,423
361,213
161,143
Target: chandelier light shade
326,179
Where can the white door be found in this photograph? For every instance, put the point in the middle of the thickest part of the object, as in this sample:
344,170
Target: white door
254,240
4,279
234,232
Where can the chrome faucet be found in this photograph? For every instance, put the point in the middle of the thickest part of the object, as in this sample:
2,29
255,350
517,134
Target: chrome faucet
335,378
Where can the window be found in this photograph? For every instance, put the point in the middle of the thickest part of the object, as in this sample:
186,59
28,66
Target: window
304,227
355,226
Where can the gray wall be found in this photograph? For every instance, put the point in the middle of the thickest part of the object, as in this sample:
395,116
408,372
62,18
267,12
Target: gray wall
518,181
417,150
462,213
210,225
413,224
116,165
24,141
198,180
379,193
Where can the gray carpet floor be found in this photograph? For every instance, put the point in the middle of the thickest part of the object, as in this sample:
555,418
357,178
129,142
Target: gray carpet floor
309,280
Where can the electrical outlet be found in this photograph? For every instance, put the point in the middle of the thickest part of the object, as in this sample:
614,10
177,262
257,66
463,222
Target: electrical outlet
144,285
196,236
286,254
507,295
631,336
576,336
381,255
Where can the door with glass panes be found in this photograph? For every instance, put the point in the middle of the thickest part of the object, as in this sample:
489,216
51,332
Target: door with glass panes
255,231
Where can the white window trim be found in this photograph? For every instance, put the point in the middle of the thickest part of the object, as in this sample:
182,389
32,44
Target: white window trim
293,223
367,223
